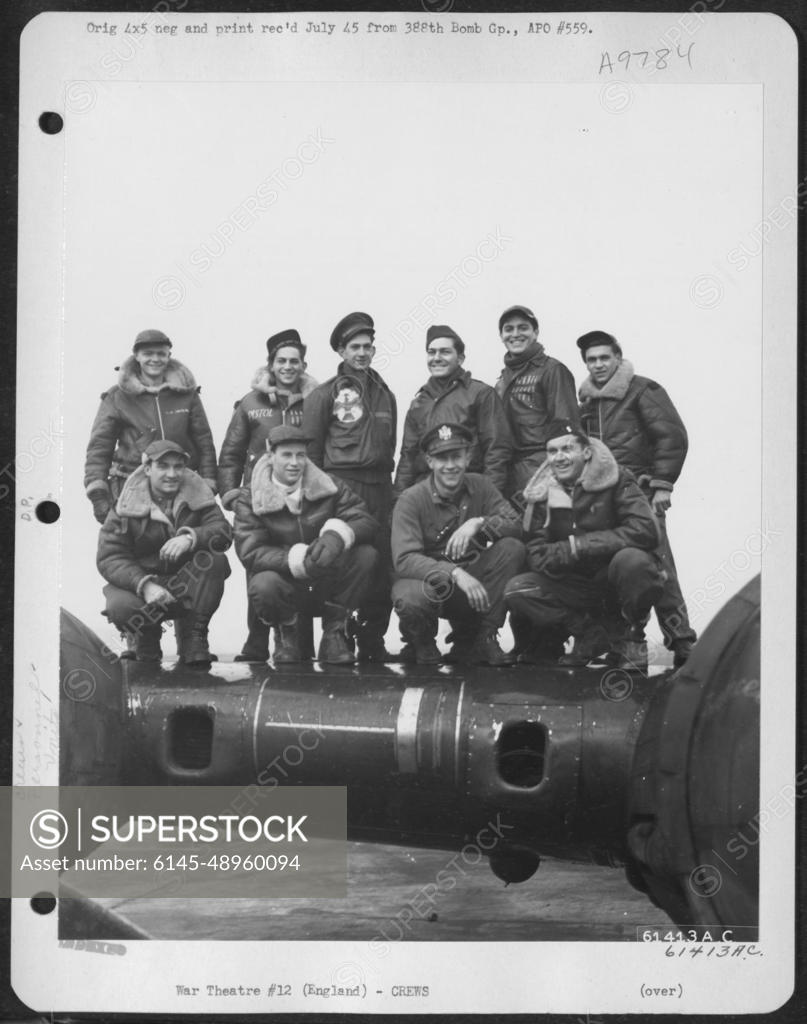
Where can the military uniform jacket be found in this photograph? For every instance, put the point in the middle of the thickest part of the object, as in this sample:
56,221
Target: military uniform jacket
264,407
535,392
266,530
135,530
132,415
605,511
465,401
422,523
635,417
352,422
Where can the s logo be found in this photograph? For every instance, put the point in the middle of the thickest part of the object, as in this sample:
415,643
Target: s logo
48,829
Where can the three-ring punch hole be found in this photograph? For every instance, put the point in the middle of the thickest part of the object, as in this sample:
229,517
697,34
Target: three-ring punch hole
50,122
47,511
43,903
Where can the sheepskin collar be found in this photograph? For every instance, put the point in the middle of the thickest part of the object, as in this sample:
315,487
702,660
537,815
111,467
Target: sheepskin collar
177,378
269,497
263,380
600,473
135,499
616,388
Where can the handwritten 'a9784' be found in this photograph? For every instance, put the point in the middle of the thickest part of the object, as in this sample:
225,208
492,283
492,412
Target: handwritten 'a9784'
651,60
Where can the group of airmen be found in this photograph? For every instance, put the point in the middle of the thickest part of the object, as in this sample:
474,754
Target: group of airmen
525,498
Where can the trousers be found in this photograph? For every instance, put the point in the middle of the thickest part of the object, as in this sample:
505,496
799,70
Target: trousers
630,584
196,590
277,597
420,603
374,612
670,606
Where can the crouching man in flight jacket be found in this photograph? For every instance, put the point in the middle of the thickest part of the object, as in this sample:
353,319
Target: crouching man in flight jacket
161,551
454,546
591,540
303,537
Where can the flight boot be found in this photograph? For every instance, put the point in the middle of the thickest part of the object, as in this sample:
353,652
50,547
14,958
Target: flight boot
128,653
193,647
418,630
540,653
256,646
632,651
287,643
592,643
485,650
334,647
147,644
370,648
545,647
420,651
426,650
373,650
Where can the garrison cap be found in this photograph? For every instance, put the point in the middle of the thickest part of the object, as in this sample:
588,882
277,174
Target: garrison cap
587,341
158,448
524,311
283,338
286,435
150,337
446,437
443,331
560,428
349,326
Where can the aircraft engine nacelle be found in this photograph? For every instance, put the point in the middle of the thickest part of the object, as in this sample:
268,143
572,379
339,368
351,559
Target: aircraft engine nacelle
588,764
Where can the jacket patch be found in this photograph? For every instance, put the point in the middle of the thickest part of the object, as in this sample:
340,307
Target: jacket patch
347,405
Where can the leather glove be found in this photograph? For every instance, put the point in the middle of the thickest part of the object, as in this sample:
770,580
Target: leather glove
322,553
556,555
100,507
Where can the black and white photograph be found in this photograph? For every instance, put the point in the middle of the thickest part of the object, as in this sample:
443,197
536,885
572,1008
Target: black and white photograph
406,402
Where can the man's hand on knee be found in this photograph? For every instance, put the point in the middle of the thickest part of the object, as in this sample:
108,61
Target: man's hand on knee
475,592
154,594
461,538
